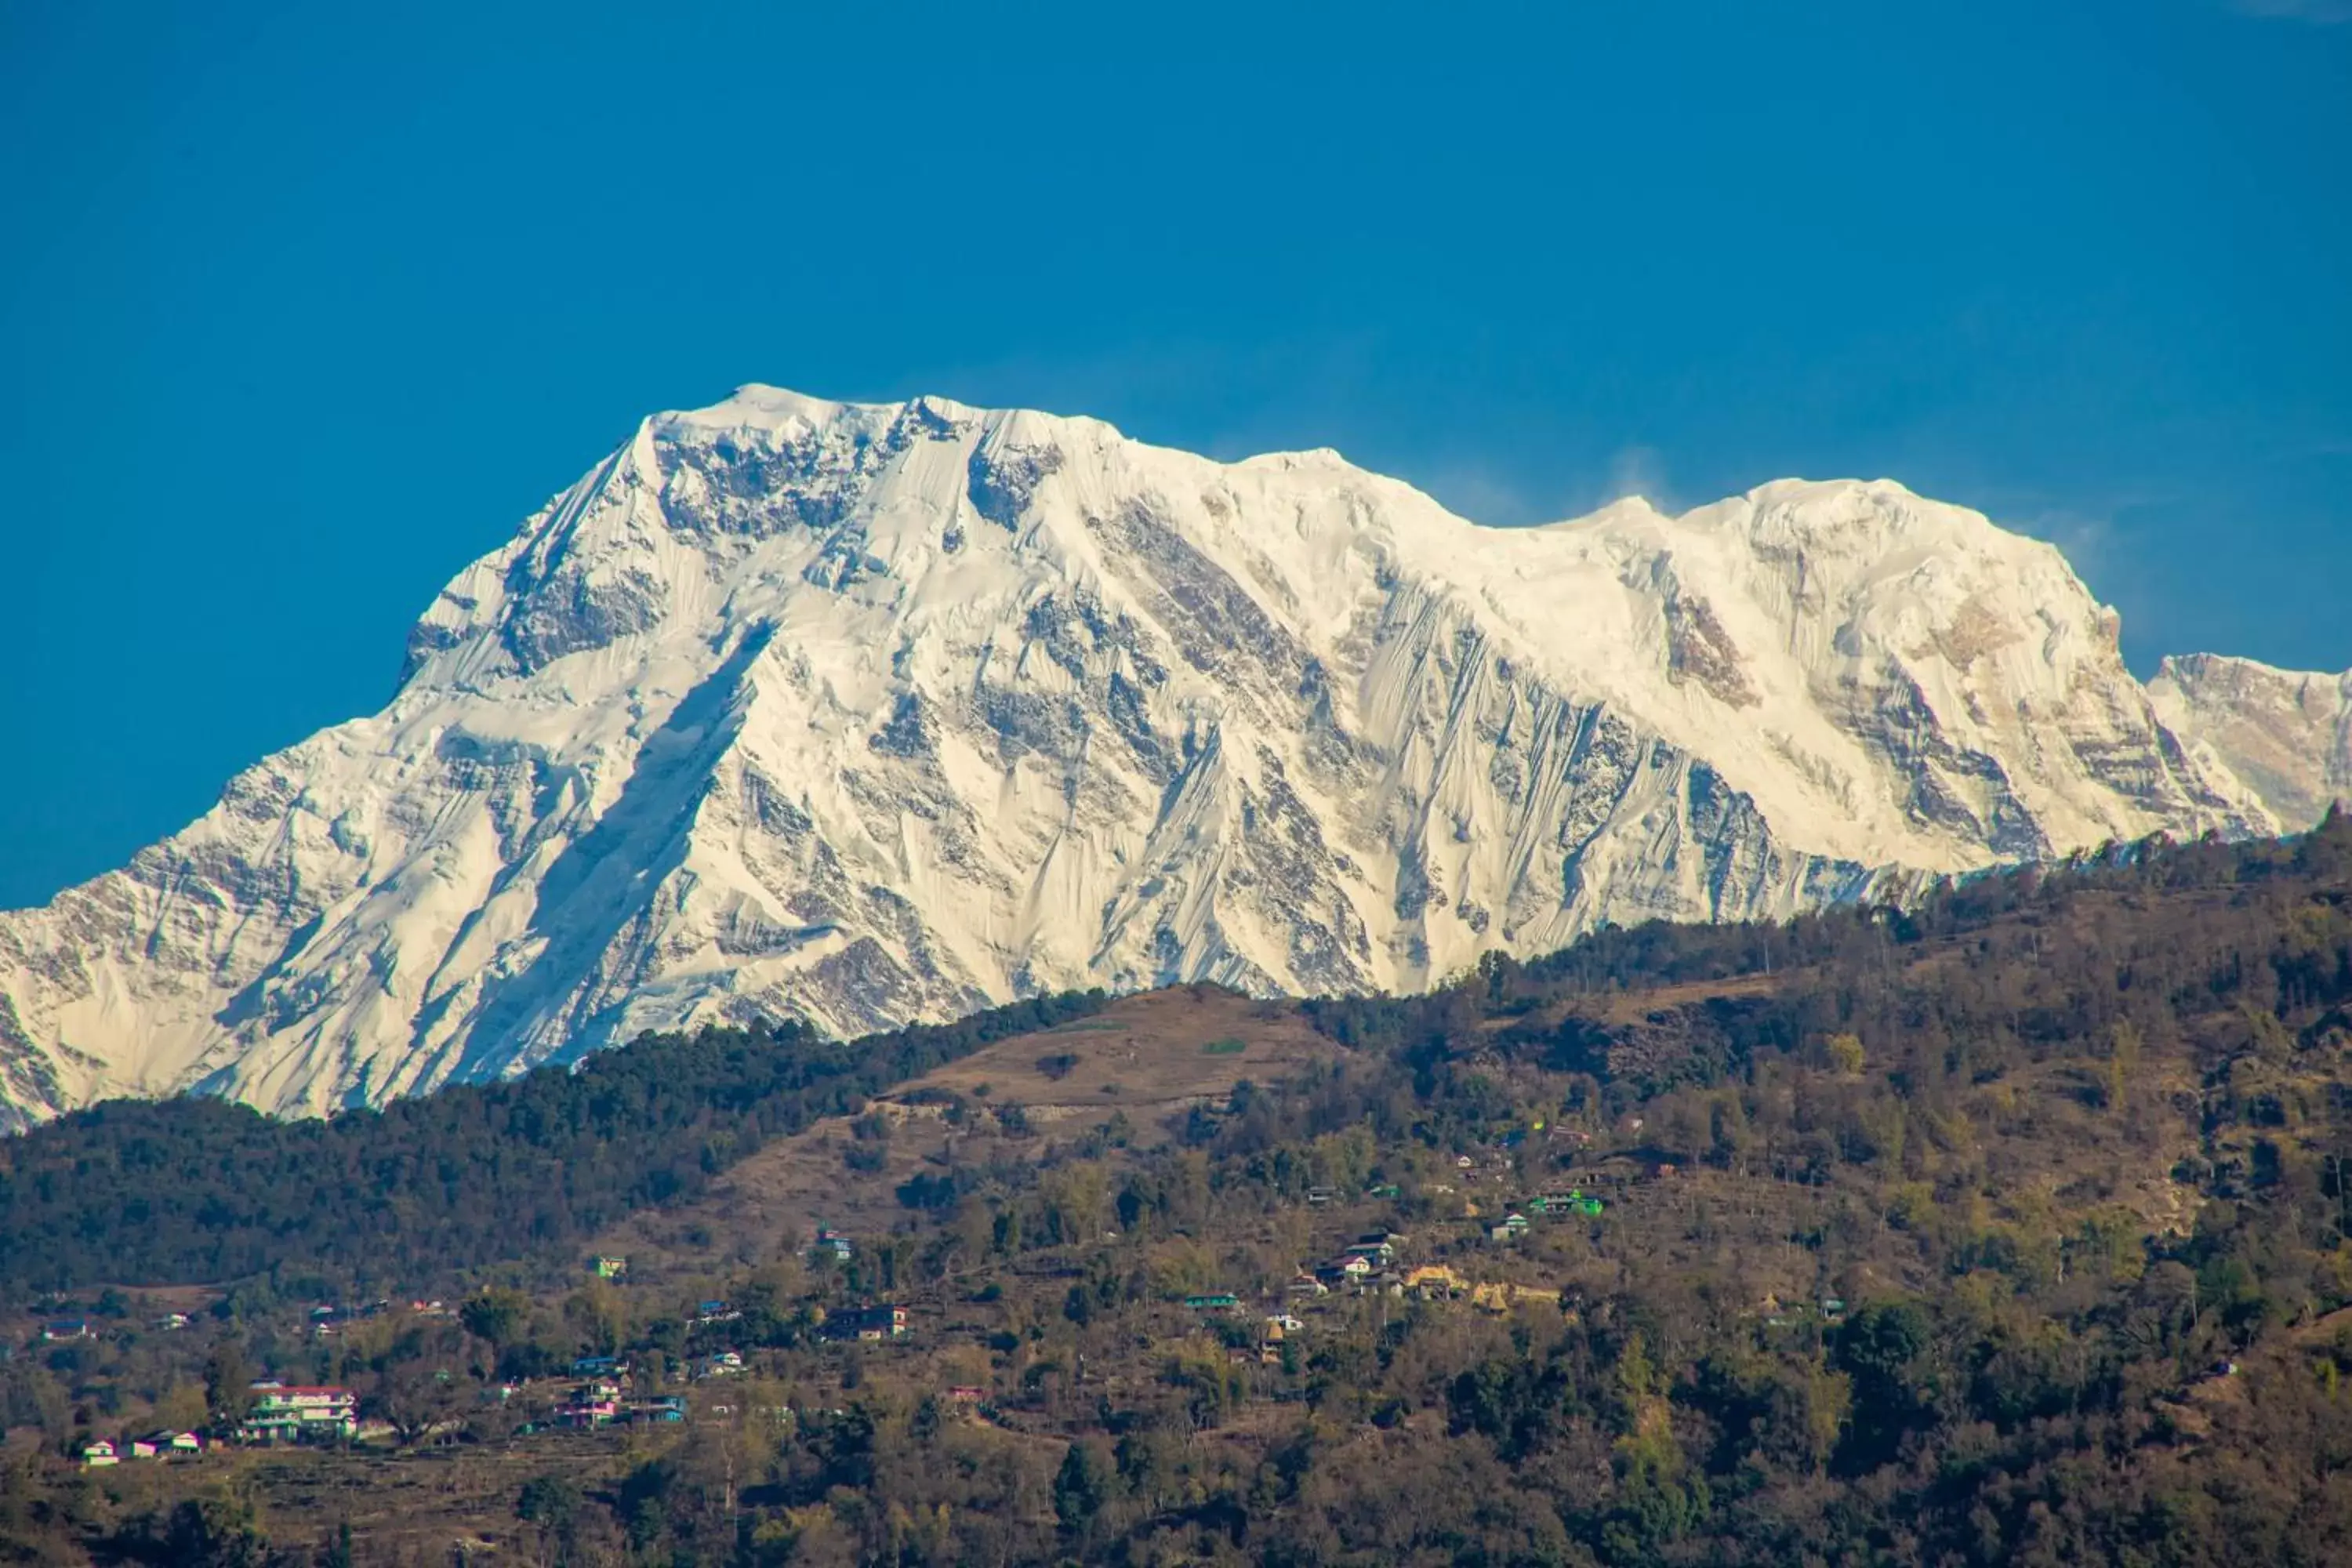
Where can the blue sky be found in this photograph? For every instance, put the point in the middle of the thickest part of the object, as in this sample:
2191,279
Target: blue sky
304,306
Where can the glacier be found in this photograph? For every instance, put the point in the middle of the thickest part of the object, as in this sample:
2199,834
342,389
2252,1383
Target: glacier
870,713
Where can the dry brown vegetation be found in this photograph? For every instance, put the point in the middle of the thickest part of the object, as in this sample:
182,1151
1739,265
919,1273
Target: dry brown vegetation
1143,1061
2014,1228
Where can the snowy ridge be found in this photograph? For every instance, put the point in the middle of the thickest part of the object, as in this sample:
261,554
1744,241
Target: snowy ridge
2286,734
867,713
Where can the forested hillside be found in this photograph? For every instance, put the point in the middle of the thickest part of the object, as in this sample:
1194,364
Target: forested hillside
410,1197
2010,1228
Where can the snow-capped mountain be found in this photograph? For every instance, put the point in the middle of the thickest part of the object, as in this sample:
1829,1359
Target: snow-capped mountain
868,714
2288,735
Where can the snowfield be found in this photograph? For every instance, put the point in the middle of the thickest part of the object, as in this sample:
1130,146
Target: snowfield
872,713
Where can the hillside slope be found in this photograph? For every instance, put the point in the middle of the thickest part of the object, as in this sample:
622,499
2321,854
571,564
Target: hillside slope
2010,1228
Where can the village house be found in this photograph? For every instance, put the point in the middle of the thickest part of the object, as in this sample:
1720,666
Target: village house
300,1413
720,1363
170,1323
1303,1284
600,1366
605,1266
1354,1269
1216,1301
166,1444
1574,1201
831,1240
887,1322
58,1329
595,1403
99,1455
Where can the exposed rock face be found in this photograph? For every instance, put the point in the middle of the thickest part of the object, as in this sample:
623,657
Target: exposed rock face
2287,735
873,713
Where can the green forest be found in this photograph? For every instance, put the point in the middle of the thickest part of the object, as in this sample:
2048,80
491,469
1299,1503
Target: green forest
415,1195
2009,1228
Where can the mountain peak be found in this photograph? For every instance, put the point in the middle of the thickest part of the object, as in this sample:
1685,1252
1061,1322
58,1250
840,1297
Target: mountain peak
871,713
758,403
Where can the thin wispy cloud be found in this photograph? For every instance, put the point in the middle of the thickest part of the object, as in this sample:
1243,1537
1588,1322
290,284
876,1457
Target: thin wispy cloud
1482,493
1638,471
2088,541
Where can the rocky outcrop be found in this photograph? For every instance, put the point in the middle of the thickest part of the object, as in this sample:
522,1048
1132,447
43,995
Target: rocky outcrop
2286,734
